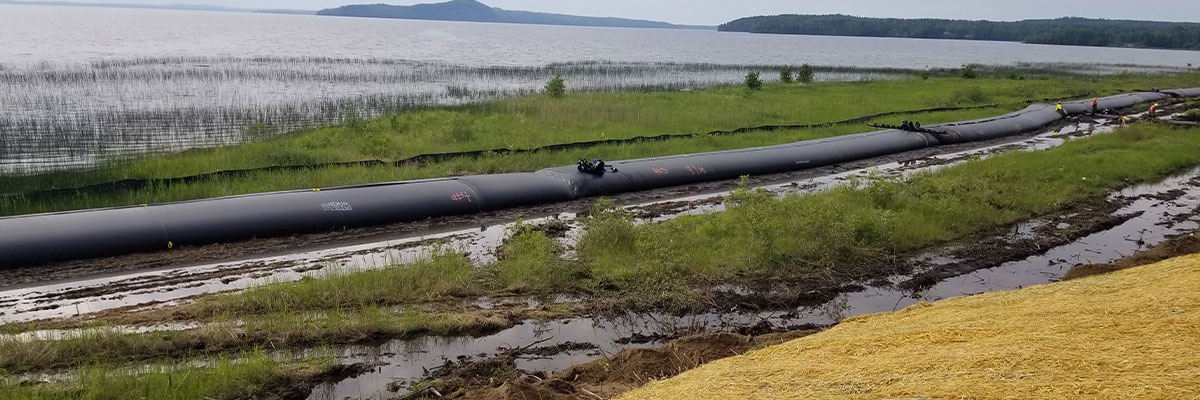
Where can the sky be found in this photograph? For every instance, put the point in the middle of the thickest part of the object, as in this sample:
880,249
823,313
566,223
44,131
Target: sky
715,12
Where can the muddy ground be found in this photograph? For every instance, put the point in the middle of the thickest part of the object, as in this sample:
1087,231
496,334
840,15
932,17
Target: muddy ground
753,315
1124,227
498,378
183,256
1176,246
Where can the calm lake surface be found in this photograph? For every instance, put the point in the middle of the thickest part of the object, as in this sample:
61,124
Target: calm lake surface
81,85
36,34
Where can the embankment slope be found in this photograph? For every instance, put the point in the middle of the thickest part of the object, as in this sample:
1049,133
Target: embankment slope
1128,335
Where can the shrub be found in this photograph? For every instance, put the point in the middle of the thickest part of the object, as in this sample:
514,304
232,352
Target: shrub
805,74
752,81
925,74
969,72
556,88
785,74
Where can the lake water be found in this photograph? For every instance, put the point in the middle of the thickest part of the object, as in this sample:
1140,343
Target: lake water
79,85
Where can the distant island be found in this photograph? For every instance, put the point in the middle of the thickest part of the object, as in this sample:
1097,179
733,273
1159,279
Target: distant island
474,11
1062,31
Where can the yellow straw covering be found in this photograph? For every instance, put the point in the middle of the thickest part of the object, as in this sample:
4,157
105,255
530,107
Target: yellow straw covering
1134,334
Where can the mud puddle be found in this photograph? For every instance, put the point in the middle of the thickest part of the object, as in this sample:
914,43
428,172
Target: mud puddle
74,298
1145,216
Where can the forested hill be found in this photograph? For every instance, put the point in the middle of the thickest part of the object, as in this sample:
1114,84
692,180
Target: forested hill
1064,31
471,10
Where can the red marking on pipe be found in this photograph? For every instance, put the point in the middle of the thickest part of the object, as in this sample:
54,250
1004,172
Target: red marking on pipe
696,170
460,196
661,171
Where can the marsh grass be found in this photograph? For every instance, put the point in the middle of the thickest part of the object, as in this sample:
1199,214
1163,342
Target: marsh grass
442,274
251,374
71,116
530,262
854,231
231,333
533,121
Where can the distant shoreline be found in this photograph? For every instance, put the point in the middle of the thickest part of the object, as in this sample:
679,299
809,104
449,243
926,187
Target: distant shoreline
1068,31
474,11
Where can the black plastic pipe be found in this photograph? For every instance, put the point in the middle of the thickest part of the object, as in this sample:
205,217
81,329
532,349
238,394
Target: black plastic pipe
44,238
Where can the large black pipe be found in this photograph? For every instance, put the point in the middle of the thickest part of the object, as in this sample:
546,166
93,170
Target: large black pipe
42,238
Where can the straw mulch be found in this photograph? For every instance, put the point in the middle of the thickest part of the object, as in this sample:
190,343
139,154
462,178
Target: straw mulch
1134,334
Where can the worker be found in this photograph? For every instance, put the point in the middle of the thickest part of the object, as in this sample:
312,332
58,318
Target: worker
1153,110
1060,109
1094,110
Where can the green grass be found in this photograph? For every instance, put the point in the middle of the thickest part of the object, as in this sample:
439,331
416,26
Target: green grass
852,231
810,240
232,333
252,375
530,262
440,275
538,120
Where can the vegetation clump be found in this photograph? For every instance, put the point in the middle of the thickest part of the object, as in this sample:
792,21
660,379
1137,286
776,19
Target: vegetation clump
968,72
1191,115
753,81
805,74
786,74
556,88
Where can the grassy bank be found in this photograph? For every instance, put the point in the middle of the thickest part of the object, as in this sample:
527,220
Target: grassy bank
806,242
1121,336
538,120
226,335
250,375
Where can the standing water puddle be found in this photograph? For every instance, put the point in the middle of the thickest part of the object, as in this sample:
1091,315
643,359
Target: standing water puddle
1158,211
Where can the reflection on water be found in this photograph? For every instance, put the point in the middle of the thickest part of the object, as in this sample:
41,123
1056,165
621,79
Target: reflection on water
405,362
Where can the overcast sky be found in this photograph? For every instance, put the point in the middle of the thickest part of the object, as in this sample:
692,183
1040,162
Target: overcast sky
713,12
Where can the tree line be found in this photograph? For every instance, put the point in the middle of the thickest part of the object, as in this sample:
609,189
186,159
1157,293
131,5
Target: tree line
1061,31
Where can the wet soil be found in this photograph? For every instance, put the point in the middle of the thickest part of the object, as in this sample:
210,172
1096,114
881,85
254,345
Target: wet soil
185,256
1019,241
1032,252
499,378
1176,246
297,385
